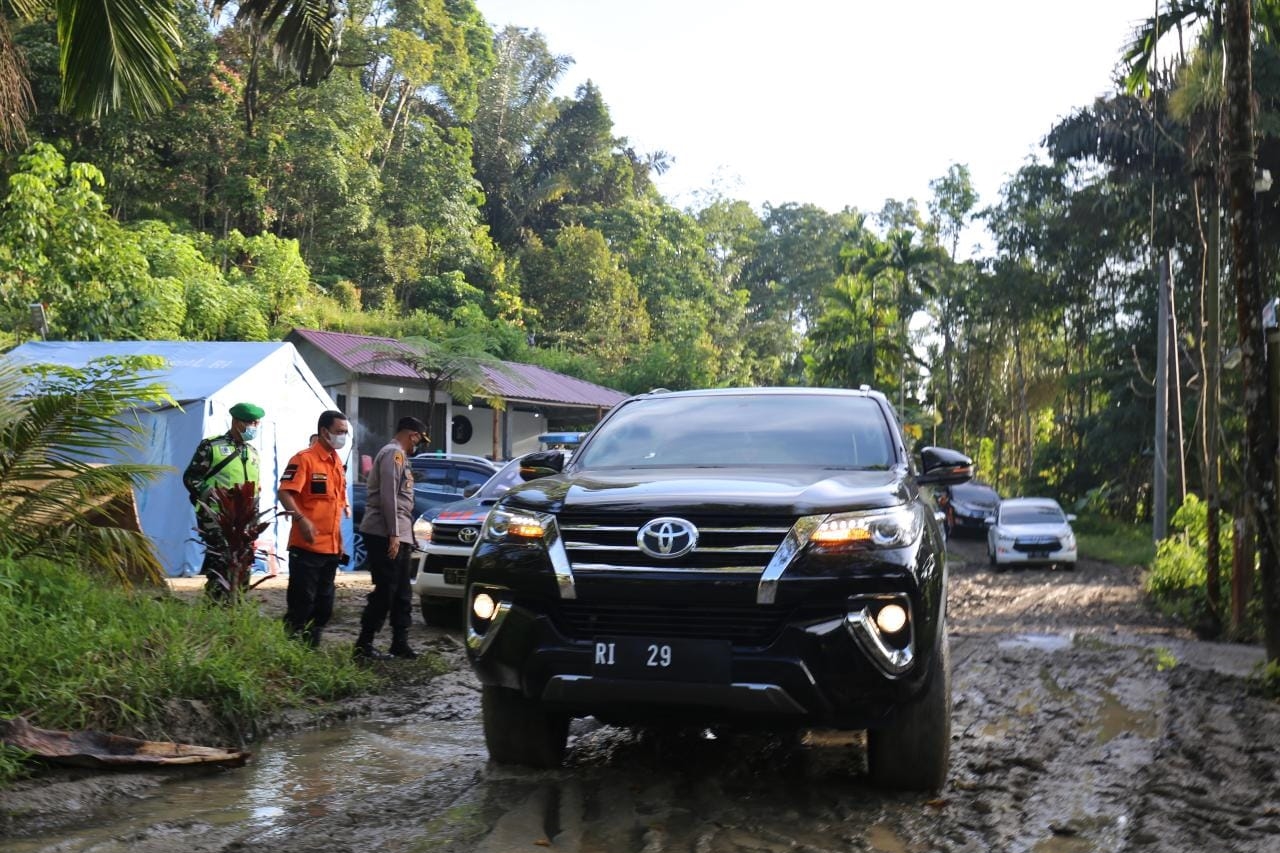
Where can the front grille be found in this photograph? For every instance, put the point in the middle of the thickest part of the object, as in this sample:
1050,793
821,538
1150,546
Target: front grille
1032,545
724,542
442,534
742,625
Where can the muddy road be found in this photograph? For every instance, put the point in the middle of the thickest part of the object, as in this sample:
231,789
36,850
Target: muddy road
1082,722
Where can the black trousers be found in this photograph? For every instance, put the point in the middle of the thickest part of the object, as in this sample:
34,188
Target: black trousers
309,598
392,587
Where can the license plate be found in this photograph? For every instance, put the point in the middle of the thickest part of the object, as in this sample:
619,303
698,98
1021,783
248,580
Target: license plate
662,660
1039,555
455,576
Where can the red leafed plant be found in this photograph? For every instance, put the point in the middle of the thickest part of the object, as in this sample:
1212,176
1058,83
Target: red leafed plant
241,524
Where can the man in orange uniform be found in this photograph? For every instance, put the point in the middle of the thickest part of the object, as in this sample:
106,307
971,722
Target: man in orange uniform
313,489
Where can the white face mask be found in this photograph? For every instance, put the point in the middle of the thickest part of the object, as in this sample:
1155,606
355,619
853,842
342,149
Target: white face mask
338,441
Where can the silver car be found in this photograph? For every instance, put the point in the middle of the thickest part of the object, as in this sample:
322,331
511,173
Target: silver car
1031,531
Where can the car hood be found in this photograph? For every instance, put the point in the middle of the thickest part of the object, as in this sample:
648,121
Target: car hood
1046,530
773,491
461,512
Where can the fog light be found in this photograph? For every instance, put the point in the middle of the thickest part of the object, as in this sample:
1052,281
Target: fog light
483,606
891,619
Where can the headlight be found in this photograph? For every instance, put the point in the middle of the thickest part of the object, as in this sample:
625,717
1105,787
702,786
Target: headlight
508,526
888,528
422,533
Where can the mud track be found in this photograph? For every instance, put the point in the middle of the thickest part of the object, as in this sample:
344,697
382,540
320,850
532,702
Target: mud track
1082,722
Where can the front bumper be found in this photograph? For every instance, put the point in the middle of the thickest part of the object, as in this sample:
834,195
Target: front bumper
442,571
1007,556
817,669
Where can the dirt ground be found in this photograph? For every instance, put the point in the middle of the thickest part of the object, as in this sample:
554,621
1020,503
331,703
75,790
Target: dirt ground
1082,722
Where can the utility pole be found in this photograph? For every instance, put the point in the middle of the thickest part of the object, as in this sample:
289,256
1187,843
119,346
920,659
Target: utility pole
1160,474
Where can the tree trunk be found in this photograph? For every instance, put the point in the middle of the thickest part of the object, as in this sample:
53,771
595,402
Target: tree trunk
1260,445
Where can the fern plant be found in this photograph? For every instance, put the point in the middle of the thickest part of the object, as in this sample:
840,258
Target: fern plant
63,431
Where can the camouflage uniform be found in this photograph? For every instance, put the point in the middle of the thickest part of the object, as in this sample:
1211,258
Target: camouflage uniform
196,478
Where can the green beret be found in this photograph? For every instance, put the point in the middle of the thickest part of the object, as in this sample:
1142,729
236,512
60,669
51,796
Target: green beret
247,412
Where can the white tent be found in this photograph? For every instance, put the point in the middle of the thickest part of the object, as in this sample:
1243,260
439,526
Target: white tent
206,379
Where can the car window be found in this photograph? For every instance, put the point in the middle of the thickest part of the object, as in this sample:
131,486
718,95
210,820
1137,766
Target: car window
437,475
826,431
1031,515
467,477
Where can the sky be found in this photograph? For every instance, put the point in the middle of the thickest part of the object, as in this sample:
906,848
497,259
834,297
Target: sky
837,103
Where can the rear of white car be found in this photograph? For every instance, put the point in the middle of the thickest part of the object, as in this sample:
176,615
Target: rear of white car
1031,531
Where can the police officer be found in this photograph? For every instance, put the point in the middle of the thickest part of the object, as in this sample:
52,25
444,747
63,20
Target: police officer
222,461
387,528
313,489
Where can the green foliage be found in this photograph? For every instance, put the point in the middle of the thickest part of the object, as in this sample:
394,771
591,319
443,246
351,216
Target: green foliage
1178,582
1269,680
61,480
75,654
61,247
584,297
1112,541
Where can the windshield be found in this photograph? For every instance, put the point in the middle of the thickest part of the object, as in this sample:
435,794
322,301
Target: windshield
976,492
1031,515
500,483
823,430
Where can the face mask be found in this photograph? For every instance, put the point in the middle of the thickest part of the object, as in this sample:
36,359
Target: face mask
250,433
338,441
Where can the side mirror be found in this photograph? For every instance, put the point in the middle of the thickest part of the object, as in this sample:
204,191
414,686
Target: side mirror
470,490
543,463
942,466
989,521
1071,517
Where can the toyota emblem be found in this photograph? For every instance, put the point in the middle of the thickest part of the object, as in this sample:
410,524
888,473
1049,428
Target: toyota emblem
467,535
667,538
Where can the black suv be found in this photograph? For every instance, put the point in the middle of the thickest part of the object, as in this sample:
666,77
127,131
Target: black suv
759,556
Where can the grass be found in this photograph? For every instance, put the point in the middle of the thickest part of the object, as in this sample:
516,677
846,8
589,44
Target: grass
1115,542
77,653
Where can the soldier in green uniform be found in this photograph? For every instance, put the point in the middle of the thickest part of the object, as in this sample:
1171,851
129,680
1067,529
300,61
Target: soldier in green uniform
222,461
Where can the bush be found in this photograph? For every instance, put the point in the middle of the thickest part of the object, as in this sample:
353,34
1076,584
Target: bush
76,654
1178,582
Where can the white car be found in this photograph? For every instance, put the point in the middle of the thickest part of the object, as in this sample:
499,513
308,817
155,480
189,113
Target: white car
445,536
1031,531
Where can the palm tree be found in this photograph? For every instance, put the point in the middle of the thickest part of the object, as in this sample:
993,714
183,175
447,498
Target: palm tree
59,426
457,364
122,53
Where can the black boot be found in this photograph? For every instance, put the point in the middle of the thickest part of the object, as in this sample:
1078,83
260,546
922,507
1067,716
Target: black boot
400,645
364,649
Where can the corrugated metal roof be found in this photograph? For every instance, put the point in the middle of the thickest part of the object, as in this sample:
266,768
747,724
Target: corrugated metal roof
362,354
514,381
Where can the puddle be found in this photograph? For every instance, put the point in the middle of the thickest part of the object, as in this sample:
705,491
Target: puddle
883,839
1115,719
1056,690
1064,844
289,781
1038,642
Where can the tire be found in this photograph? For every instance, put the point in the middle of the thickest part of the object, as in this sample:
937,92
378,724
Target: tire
913,752
440,612
359,553
520,731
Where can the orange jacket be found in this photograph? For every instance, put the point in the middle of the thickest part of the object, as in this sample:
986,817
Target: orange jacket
319,485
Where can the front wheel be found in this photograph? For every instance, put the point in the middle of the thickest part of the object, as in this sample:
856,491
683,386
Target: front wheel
518,730
913,752
359,553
